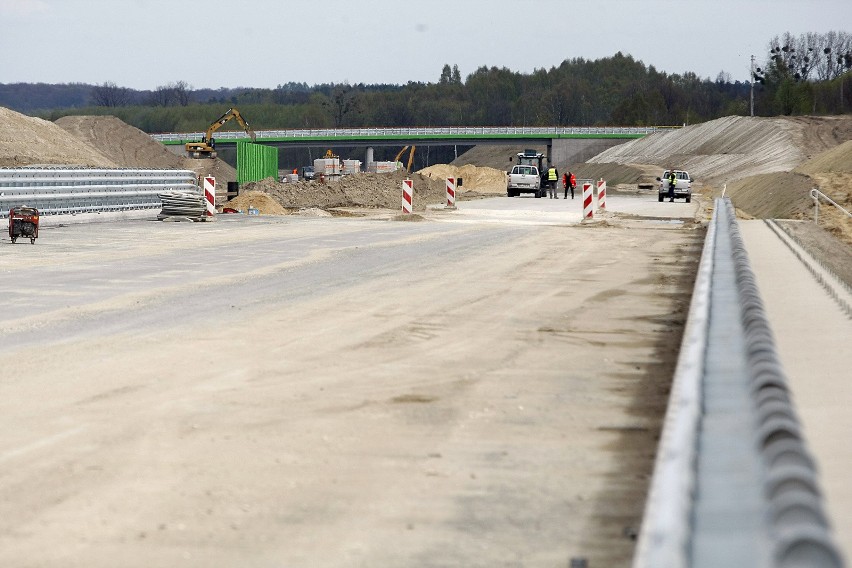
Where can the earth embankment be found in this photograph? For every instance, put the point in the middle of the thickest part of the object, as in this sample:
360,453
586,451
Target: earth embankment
767,166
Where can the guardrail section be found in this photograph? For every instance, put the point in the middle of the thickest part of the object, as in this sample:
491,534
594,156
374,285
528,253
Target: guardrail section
56,191
734,483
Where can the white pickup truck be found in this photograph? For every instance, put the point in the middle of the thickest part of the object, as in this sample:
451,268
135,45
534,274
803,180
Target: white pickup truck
524,179
683,185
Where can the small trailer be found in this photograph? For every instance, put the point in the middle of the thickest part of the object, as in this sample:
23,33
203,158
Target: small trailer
23,222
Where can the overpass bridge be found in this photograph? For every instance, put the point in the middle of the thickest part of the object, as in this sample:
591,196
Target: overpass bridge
564,143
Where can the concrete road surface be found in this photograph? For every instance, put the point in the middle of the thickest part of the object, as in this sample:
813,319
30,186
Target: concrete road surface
813,337
285,391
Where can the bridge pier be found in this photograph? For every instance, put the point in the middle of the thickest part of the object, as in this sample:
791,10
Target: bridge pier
368,159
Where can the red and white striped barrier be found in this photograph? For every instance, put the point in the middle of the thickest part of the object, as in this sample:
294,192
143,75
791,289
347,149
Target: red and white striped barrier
407,195
210,195
602,194
451,193
588,205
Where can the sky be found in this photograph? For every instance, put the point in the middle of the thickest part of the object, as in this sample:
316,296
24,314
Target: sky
145,44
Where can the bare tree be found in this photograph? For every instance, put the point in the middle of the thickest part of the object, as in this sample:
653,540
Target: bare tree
182,94
110,95
821,57
173,94
161,96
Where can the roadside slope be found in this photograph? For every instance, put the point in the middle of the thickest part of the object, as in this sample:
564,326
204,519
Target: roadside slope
716,152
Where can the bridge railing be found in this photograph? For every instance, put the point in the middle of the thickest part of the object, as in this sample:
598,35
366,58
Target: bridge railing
437,131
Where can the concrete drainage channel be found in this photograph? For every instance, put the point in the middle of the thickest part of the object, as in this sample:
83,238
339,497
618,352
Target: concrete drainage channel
734,483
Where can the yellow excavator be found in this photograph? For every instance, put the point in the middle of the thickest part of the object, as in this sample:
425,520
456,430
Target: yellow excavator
207,147
410,157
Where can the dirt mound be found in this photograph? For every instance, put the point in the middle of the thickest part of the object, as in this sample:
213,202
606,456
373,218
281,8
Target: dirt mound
26,141
480,179
120,142
382,191
129,147
259,200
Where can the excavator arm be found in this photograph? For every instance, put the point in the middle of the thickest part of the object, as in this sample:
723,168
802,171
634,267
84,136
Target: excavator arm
205,148
231,113
410,157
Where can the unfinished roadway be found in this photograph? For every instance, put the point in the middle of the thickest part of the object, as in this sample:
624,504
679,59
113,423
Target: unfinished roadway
480,389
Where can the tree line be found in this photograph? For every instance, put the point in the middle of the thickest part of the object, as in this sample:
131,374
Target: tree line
807,74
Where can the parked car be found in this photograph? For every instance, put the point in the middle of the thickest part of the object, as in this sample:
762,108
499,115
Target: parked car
307,173
524,179
683,186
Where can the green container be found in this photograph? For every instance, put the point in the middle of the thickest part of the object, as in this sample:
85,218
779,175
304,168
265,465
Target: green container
256,162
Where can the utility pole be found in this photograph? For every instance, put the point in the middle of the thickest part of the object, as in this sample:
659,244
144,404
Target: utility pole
751,82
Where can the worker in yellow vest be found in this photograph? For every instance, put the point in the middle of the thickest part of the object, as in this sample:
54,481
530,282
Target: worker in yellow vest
552,182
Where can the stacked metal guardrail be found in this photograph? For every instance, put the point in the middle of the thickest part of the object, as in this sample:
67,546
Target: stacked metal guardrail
55,190
734,483
182,204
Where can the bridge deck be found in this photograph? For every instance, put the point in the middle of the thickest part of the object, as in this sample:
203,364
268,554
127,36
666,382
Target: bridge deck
423,136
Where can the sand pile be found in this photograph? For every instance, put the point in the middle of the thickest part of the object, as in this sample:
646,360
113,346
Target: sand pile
121,143
479,179
26,141
129,147
383,191
259,200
